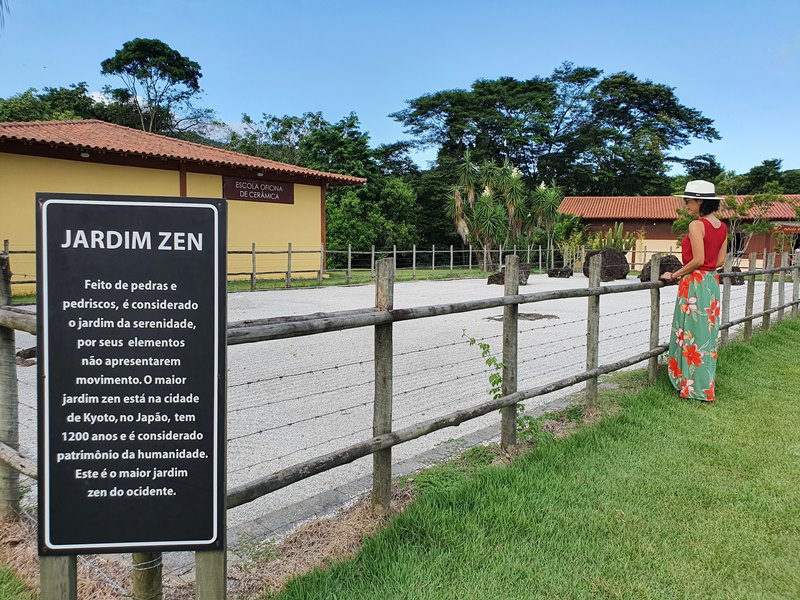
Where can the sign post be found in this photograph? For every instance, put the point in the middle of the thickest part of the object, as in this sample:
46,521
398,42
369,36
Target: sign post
131,321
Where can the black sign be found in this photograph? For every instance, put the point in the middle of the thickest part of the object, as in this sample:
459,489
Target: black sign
131,332
256,190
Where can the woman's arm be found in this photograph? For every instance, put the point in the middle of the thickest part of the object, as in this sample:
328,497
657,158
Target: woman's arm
723,254
696,233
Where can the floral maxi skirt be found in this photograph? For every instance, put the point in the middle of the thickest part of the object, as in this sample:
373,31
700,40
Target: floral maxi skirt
694,338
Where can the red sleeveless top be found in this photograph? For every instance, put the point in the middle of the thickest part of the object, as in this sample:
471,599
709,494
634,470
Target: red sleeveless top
712,242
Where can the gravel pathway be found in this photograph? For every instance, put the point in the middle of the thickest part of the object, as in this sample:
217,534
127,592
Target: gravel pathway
291,400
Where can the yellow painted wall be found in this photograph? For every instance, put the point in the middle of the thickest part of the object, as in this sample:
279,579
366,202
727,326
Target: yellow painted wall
270,226
22,176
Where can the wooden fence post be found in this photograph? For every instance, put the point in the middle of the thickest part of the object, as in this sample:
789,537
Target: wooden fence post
485,260
528,255
593,330
469,257
321,264
540,259
508,422
382,412
211,566
372,261
394,258
796,284
211,569
289,265
500,258
748,302
349,263
254,272
414,261
9,401
433,257
58,577
770,263
726,300
781,284
655,316
451,257
147,568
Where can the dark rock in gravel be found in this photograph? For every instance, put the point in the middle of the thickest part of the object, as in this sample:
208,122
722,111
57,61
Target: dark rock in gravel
614,265
669,264
560,272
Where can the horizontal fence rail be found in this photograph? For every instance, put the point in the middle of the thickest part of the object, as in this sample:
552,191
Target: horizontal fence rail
382,319
290,263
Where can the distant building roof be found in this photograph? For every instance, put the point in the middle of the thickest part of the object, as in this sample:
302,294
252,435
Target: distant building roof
651,207
105,137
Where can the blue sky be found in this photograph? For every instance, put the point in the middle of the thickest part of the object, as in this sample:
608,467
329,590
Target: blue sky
736,61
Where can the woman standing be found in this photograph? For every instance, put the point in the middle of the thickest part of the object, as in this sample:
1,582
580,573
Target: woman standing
695,326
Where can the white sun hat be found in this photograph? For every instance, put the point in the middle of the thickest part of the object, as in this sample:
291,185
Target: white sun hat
699,190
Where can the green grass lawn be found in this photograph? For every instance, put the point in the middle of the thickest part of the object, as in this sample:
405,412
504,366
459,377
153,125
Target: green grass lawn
666,499
357,278
11,588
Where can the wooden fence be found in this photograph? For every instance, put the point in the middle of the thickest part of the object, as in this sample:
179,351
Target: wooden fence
58,574
292,263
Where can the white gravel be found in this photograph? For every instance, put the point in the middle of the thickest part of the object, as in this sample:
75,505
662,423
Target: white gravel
286,385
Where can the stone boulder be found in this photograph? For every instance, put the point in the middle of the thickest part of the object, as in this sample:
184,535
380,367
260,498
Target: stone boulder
560,272
499,278
614,265
736,279
669,263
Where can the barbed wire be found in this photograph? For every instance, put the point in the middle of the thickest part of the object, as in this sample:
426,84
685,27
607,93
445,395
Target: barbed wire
442,382
463,340
622,312
461,362
557,352
581,335
304,396
560,323
299,450
302,373
307,419
558,369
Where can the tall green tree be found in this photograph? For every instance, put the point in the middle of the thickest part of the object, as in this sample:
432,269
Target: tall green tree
4,10
160,83
274,137
761,176
384,212
592,134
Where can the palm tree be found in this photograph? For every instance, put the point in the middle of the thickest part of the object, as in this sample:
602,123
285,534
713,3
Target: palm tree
546,200
494,216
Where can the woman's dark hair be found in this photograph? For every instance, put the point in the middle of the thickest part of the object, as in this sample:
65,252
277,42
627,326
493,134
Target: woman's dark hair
708,206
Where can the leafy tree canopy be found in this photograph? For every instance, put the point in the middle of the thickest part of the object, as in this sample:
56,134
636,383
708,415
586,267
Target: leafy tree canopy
592,134
159,83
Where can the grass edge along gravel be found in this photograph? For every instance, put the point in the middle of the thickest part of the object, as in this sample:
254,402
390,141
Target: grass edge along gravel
12,587
666,499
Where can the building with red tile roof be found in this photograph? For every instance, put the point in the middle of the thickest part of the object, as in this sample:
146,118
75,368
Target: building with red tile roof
114,144
270,204
654,215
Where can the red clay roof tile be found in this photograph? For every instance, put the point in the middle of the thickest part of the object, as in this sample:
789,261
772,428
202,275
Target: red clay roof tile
651,207
92,134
